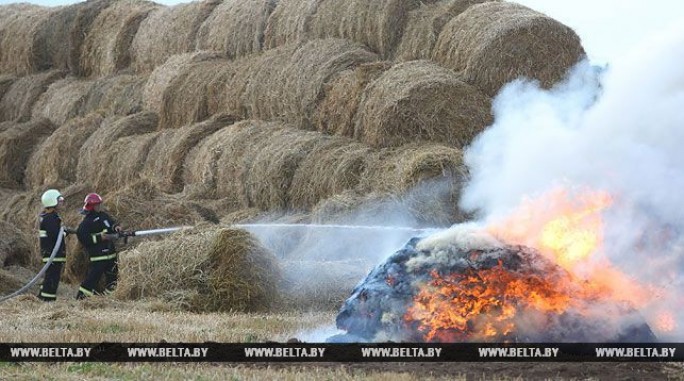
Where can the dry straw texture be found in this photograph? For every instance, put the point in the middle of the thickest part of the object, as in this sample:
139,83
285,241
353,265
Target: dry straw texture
54,162
204,270
168,31
63,100
14,246
87,12
17,142
377,24
496,42
17,102
6,81
423,26
115,95
421,101
18,27
106,48
236,27
289,22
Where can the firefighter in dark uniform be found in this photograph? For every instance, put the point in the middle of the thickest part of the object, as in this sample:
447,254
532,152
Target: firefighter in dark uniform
97,233
50,225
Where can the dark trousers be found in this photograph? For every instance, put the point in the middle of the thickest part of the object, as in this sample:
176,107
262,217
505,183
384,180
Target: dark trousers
48,290
108,268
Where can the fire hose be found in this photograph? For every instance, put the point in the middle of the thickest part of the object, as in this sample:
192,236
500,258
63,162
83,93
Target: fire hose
124,235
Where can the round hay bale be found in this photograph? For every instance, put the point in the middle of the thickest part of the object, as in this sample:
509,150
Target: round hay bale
168,31
421,101
53,164
16,145
123,161
332,167
289,22
337,110
18,52
236,27
377,24
163,76
423,26
106,48
496,42
87,12
14,246
115,95
62,101
95,152
17,102
167,156
214,270
49,37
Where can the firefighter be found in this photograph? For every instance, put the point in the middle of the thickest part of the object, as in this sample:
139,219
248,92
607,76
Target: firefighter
50,225
97,233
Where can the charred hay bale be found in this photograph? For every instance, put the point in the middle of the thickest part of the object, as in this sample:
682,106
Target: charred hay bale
168,31
421,101
19,54
17,102
333,166
63,100
54,162
236,27
423,26
14,245
16,145
106,48
115,95
376,24
167,156
164,76
336,112
96,153
209,270
289,22
496,42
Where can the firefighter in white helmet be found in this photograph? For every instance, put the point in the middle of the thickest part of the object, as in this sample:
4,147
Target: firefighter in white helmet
50,224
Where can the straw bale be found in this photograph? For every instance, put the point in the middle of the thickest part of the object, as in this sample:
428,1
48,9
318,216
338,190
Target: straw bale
164,76
334,166
421,101
87,12
62,100
18,100
208,269
106,48
168,31
52,37
16,145
423,26
96,152
236,27
242,216
54,162
14,246
496,42
167,156
18,53
9,282
377,24
337,111
115,95
289,22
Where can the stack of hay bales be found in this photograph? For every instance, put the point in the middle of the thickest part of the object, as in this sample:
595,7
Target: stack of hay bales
18,26
18,100
168,31
236,27
204,270
496,42
63,100
17,142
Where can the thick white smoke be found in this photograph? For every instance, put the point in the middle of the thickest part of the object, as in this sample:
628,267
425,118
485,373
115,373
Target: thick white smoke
624,136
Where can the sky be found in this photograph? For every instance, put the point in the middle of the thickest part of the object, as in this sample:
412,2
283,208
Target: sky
609,29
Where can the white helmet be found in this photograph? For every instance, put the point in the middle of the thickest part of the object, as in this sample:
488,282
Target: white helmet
51,198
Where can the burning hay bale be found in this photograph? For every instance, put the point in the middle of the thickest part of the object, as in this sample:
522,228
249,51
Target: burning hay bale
496,42
376,24
421,101
236,27
16,145
106,48
289,22
54,162
423,26
168,31
19,54
462,285
62,100
115,95
205,270
17,102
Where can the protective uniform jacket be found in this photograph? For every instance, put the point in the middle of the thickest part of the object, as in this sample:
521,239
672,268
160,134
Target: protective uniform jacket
50,224
90,232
